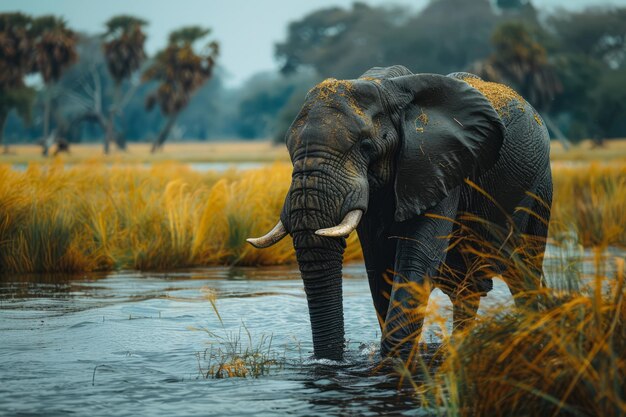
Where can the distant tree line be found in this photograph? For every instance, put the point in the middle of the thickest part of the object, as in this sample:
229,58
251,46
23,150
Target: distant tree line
92,86
570,65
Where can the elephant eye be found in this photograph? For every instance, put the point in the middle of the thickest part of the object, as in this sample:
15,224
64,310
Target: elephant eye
367,147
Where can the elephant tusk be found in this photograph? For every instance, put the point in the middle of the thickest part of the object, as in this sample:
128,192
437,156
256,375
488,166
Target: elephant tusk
349,223
272,237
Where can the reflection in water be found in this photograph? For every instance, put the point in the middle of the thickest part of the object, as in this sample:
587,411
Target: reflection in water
36,286
127,342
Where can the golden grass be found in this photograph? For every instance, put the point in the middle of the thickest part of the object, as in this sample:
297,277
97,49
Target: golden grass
93,217
252,151
96,217
225,151
590,201
561,351
614,150
566,358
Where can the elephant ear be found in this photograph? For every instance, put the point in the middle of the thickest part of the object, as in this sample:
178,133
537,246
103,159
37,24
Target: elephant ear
449,131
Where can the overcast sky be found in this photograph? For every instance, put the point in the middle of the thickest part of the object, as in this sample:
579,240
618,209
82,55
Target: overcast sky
246,29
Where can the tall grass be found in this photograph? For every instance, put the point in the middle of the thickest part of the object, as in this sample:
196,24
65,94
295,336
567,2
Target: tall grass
590,200
97,217
565,359
560,352
94,217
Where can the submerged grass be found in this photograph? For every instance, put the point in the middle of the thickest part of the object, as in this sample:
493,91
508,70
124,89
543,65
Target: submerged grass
233,356
90,217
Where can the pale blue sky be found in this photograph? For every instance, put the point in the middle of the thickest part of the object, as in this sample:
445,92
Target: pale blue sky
246,29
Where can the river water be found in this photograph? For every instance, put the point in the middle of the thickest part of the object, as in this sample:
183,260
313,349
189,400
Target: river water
127,344
131,343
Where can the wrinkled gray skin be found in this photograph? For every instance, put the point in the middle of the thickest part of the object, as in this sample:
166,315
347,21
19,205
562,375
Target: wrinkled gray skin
399,146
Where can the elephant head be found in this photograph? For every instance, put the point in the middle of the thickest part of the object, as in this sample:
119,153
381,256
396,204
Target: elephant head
418,136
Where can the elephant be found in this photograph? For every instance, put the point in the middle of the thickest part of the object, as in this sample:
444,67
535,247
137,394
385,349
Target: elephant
403,158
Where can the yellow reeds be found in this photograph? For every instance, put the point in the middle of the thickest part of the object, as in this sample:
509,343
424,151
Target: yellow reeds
590,201
94,217
561,351
98,217
566,359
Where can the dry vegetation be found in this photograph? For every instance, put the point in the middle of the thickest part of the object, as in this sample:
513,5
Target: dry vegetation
614,150
228,151
561,351
566,358
93,217
253,151
97,217
590,200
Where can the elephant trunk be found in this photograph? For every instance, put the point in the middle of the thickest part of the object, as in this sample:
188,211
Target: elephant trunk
320,261
323,206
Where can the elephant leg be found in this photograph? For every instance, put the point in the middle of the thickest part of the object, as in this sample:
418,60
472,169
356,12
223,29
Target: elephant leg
379,256
380,286
537,234
380,276
405,317
420,249
529,275
464,308
464,285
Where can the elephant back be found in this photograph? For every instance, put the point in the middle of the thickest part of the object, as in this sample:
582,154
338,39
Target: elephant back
506,102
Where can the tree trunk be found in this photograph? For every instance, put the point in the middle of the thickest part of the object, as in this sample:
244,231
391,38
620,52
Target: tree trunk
3,122
47,102
109,132
557,132
45,140
160,140
107,139
120,141
47,143
112,134
94,117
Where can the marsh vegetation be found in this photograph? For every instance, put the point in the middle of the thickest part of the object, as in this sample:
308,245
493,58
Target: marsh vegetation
565,359
97,218
125,278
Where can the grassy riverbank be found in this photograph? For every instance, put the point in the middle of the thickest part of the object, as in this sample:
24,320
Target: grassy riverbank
251,151
221,151
97,217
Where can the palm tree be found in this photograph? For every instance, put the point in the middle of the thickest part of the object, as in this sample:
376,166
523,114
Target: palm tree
55,51
124,54
16,60
181,72
520,61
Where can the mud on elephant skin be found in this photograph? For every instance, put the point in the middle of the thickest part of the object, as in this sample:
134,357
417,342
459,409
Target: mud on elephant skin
398,156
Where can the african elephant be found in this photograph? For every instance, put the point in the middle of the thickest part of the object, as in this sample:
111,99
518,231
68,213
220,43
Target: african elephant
401,157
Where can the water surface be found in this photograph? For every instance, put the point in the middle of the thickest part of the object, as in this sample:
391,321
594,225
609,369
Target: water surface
131,343
139,332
